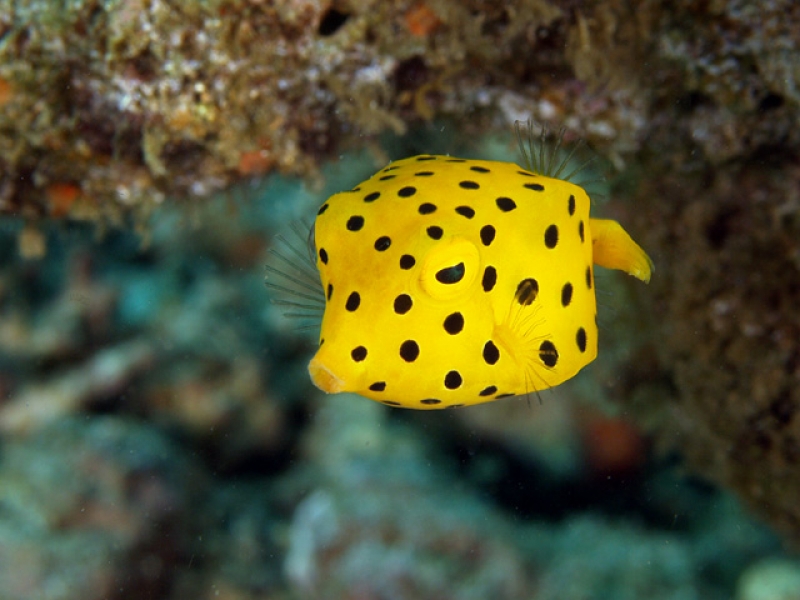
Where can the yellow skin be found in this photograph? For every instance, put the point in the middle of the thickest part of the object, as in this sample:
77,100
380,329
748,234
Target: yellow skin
452,282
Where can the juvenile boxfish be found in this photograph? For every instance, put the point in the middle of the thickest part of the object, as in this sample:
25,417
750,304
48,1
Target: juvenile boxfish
451,282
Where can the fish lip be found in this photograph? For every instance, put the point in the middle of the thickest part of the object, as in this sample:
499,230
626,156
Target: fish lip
324,378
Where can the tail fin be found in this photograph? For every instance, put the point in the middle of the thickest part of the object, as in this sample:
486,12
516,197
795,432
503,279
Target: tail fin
613,248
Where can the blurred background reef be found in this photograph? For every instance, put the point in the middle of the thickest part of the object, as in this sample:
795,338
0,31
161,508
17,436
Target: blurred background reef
159,437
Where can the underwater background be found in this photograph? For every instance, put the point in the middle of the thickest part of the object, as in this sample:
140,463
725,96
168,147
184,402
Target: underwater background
160,437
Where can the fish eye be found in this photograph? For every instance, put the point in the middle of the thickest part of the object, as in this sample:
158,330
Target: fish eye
452,274
449,269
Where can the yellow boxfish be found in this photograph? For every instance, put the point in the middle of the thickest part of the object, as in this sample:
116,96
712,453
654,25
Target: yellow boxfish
451,282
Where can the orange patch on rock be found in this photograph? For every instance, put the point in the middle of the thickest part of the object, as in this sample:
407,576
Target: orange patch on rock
255,162
6,91
61,197
613,446
421,21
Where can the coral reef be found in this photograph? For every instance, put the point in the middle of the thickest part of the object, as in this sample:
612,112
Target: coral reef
380,531
112,106
381,522
729,337
115,522
722,213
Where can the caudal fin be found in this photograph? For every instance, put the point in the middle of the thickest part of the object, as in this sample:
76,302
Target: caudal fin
613,248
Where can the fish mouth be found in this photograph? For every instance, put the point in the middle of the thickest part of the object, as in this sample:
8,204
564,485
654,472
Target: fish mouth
324,378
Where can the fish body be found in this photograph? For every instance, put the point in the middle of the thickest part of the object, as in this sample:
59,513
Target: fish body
451,282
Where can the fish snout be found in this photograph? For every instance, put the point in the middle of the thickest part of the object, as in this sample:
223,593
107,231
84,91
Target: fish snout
323,377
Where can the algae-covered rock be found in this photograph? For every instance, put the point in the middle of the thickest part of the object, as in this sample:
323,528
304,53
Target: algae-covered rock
717,184
91,510
109,107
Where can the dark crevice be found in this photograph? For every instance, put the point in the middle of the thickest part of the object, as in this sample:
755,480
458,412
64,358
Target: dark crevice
331,22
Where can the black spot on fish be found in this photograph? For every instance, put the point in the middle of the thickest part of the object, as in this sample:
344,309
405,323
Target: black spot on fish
353,302
581,231
407,192
355,223
489,278
490,353
378,386
323,256
426,208
487,234
407,261
359,353
536,187
478,169
505,204
548,353
571,205
330,291
435,232
453,380
383,243
527,290
580,338
469,185
409,350
465,211
551,236
488,391
371,197
402,304
454,323
323,208
566,294
430,401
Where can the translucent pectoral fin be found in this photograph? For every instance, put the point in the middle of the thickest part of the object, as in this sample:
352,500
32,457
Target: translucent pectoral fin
613,248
